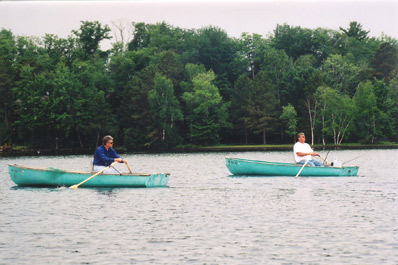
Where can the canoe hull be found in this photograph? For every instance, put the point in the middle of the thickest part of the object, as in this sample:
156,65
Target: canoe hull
239,166
49,177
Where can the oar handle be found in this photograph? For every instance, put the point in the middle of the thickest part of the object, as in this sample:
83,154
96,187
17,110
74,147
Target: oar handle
96,174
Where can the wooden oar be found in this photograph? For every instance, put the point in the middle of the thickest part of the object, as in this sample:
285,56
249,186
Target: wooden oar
129,168
302,168
99,172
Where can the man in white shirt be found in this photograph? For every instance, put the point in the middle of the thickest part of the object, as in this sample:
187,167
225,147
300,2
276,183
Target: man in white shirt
303,152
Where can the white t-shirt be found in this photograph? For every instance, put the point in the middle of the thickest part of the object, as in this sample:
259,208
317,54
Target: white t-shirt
304,148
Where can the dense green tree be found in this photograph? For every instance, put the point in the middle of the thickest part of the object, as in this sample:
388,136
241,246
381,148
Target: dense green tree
394,108
385,62
251,52
122,68
217,52
295,41
239,102
165,110
57,92
140,37
367,114
59,49
289,118
355,45
340,74
385,105
30,52
209,112
160,36
262,107
170,66
336,113
91,107
276,66
90,35
31,93
355,31
304,80
7,79
136,120
312,83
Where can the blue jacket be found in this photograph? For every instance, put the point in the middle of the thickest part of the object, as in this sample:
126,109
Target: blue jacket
103,157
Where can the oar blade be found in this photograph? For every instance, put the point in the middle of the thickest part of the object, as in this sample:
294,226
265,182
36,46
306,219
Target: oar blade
74,187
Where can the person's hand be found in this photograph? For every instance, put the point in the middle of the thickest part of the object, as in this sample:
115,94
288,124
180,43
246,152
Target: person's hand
315,154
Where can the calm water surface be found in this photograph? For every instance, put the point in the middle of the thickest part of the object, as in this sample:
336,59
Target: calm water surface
205,216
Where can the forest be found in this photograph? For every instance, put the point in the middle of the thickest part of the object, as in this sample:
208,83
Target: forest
164,87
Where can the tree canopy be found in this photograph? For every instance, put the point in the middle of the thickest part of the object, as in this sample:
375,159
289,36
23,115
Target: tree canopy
170,86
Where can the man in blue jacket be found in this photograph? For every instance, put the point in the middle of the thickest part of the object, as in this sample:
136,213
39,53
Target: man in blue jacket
105,155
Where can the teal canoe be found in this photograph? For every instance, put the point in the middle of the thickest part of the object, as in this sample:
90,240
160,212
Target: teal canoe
50,177
238,166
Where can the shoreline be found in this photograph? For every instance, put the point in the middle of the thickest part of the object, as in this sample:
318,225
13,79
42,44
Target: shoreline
191,149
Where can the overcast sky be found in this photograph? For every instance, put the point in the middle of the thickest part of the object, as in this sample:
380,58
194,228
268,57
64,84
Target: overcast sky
35,18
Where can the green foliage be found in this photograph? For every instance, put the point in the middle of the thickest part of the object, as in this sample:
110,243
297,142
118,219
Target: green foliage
394,108
90,35
337,113
208,112
368,116
297,41
355,31
8,54
289,118
262,107
340,74
176,86
385,62
239,102
165,110
135,119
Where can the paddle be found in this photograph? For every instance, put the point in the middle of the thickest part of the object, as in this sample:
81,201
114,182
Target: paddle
302,168
129,168
99,172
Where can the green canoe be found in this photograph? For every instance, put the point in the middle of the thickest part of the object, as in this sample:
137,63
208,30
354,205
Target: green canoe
50,177
238,166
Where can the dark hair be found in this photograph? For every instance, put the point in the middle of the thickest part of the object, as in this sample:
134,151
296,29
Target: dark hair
107,139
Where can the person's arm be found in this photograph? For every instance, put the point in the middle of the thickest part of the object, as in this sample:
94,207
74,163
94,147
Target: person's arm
100,153
307,154
117,158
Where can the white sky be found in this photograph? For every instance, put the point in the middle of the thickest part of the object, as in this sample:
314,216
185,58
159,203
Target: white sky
35,18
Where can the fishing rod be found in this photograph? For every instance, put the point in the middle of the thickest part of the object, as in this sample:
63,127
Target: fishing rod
352,159
324,159
327,155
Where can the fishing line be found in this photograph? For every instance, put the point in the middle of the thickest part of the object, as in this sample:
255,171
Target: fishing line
352,159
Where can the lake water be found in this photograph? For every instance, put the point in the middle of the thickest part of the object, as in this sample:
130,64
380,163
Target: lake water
205,216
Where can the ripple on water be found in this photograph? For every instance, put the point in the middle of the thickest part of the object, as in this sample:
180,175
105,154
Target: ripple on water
205,215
